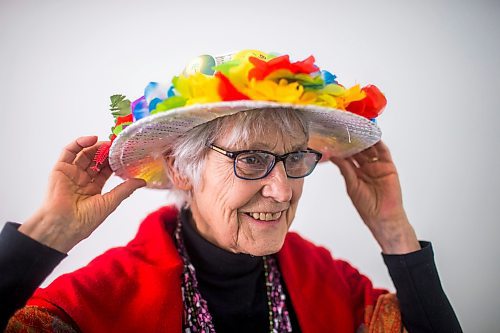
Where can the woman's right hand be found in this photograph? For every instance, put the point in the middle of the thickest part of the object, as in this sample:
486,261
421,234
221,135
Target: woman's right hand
74,206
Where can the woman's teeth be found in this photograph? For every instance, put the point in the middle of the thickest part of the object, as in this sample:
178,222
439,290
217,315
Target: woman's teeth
266,216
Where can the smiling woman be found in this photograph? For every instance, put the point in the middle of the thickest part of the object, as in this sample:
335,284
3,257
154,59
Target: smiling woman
233,141
237,214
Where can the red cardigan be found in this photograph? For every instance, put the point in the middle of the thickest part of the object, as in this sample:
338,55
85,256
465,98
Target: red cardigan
137,288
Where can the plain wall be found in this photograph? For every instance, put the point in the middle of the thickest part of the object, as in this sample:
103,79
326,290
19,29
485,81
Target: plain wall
437,62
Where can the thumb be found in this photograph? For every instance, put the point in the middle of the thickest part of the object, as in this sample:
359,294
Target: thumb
121,192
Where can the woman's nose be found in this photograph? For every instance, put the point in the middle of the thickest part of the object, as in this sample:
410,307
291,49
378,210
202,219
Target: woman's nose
277,184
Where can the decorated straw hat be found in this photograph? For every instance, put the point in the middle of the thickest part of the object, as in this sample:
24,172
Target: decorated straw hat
341,120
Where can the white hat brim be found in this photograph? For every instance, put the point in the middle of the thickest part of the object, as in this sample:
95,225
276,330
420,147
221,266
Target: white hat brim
137,152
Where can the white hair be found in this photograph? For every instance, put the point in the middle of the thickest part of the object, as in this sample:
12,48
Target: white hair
190,150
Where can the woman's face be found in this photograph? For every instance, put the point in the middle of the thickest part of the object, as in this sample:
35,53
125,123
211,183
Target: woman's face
247,216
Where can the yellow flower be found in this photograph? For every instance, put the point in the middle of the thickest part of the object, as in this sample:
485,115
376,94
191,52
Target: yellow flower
239,75
326,100
197,88
350,95
338,97
267,90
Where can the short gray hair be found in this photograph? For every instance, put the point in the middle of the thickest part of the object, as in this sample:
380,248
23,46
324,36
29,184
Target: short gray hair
190,150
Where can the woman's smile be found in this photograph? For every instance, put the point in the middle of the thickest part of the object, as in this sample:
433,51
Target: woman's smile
264,219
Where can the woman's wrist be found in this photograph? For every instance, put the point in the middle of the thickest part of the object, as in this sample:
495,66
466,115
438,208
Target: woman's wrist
49,230
396,237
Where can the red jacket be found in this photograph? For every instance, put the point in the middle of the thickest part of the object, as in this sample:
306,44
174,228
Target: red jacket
137,288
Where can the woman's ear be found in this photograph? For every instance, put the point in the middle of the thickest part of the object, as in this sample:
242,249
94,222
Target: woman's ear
180,182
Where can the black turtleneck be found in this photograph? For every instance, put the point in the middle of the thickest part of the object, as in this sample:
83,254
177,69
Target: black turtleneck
232,284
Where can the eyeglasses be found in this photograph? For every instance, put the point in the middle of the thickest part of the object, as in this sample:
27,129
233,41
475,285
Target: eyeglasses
257,164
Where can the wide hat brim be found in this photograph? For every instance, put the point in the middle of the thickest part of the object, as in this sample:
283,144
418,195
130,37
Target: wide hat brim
138,152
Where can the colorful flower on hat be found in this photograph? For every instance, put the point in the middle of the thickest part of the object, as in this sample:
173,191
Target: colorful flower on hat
246,75
262,69
281,91
252,75
197,88
228,91
371,106
338,97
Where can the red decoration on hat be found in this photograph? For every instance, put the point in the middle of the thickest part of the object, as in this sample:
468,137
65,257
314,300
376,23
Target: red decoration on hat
228,91
101,156
371,106
263,68
125,119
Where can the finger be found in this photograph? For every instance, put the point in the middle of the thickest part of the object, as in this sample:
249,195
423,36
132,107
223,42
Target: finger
85,158
347,168
369,155
383,151
114,197
73,173
70,152
102,175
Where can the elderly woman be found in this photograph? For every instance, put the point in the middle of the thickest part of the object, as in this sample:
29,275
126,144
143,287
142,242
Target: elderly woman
232,139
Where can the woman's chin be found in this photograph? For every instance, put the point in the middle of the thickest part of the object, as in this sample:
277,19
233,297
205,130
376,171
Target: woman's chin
263,247
262,237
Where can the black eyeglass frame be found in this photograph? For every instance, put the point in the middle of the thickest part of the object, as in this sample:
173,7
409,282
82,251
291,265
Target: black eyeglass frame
277,158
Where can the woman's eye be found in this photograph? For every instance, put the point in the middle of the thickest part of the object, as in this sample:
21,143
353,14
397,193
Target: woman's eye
253,160
249,160
295,158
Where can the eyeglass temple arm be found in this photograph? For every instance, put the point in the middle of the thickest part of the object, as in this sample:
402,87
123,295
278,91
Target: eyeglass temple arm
222,151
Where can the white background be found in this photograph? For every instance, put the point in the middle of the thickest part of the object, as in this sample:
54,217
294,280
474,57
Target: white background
437,61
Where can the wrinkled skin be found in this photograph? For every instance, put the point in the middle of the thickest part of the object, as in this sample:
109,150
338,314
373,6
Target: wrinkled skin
221,203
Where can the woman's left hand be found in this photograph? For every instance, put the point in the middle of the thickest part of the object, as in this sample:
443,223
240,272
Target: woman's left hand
373,185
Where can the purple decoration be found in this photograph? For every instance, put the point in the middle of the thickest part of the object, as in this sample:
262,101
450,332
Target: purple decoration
139,108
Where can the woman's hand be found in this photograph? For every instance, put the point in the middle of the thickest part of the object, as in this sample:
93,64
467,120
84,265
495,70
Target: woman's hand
74,206
373,185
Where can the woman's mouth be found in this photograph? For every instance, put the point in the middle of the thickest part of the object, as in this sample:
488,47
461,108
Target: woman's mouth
265,216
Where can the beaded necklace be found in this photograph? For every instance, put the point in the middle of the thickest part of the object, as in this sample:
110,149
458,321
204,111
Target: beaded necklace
197,318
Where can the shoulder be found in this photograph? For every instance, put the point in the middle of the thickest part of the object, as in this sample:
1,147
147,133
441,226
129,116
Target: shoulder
133,275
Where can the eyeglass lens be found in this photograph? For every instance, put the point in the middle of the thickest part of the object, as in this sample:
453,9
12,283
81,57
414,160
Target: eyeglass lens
253,165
